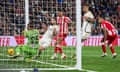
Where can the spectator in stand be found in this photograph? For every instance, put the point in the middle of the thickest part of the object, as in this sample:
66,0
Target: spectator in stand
15,8
1,28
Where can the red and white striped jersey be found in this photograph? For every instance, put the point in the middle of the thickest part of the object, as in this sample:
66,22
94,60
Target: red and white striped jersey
109,27
63,23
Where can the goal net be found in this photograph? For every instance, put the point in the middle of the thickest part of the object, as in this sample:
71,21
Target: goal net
17,17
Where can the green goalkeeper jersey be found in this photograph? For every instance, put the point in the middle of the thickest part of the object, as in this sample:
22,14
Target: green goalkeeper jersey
25,51
32,36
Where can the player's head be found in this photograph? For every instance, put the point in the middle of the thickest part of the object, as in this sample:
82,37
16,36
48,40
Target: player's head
53,21
86,7
30,27
100,18
60,13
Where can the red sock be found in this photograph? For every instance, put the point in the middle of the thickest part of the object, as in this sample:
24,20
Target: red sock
60,50
112,49
56,49
104,48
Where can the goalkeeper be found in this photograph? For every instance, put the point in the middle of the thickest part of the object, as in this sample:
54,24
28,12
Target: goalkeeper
30,49
25,51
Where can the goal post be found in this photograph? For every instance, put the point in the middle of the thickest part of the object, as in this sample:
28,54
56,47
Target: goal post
78,32
38,13
26,14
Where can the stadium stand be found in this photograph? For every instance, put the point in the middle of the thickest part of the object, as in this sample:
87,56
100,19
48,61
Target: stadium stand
12,14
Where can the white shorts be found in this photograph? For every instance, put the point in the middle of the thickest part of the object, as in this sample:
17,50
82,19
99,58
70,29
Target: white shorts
85,35
45,42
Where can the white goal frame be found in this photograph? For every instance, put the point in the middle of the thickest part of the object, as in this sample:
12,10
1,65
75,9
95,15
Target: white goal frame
78,65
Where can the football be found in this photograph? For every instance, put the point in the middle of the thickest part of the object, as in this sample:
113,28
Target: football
10,51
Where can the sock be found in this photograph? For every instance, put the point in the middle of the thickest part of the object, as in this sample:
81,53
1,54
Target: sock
58,49
39,52
112,49
62,54
55,54
55,49
104,48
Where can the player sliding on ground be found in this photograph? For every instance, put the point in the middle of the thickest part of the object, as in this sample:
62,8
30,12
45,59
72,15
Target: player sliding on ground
25,52
109,37
30,49
46,39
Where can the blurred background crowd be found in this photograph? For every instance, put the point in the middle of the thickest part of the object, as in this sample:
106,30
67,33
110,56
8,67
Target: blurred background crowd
12,14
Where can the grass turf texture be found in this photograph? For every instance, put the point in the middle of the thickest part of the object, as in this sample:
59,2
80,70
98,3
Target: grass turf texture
91,60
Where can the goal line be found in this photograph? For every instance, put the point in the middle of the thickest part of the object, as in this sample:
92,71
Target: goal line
37,61
41,62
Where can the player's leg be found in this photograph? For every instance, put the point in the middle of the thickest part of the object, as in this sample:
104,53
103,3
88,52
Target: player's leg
103,44
111,40
85,36
58,49
29,53
43,44
26,50
29,50
61,41
39,51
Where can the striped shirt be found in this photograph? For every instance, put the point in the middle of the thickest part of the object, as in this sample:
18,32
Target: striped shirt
63,23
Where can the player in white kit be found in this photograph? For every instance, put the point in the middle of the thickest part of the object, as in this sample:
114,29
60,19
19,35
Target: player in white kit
46,39
87,22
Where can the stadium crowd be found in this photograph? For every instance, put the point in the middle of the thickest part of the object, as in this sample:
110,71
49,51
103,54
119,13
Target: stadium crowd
12,20
12,14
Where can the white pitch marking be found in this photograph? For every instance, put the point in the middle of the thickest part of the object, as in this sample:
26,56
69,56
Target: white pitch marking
64,67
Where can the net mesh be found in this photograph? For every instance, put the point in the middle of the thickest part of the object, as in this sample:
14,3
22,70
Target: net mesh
12,27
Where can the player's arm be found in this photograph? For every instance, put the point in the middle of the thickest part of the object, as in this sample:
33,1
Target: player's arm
17,52
69,20
91,20
105,34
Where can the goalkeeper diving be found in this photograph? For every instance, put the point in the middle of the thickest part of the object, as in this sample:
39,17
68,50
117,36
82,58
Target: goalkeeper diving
34,46
30,49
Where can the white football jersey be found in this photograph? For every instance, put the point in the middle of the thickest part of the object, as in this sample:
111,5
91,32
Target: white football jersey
87,25
49,33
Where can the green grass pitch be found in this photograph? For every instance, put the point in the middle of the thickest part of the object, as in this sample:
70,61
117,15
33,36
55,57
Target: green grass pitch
91,60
